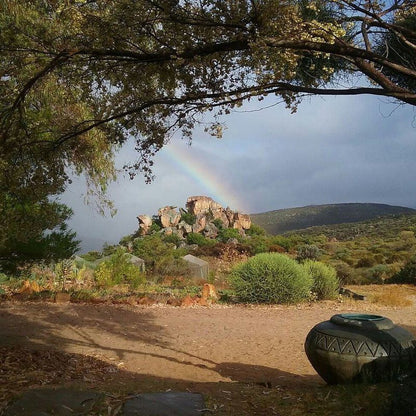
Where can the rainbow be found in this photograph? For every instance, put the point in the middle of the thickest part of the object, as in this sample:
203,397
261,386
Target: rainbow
183,156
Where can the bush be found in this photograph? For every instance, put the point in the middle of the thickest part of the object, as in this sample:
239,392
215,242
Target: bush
172,239
189,218
258,244
150,248
325,281
275,248
228,233
378,273
345,273
218,223
271,278
91,256
172,266
407,274
366,261
118,270
198,239
256,230
281,241
308,252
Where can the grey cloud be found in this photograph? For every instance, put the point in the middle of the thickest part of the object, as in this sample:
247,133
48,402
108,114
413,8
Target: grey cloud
333,150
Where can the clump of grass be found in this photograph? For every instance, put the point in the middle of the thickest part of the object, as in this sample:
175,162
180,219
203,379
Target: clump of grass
392,297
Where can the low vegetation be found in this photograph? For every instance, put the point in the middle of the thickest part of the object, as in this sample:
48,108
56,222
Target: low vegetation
325,280
257,267
284,220
271,278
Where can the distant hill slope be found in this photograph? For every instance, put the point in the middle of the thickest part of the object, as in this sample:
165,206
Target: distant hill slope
283,220
387,228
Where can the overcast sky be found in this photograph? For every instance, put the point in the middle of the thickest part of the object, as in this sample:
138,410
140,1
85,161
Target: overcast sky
333,150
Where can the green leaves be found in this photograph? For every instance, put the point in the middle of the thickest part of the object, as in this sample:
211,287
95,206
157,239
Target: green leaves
80,78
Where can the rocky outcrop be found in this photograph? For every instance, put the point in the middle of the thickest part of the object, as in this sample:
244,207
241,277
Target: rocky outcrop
201,205
241,221
145,222
200,223
203,215
169,217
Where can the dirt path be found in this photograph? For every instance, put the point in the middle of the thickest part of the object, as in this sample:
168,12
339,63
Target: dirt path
204,345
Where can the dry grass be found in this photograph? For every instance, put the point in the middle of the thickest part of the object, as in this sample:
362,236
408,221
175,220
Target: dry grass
388,295
393,298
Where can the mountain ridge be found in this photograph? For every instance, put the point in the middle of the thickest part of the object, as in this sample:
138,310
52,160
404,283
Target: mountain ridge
291,219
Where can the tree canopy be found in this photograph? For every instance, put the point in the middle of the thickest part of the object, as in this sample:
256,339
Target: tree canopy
79,77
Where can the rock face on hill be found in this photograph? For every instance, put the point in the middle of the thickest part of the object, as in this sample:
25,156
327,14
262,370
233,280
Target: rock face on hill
202,215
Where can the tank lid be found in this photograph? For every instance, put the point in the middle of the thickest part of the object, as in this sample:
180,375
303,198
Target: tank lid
362,317
362,320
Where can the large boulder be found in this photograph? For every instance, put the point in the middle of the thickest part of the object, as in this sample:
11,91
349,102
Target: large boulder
221,215
241,221
145,222
201,205
210,231
230,216
169,216
200,223
184,227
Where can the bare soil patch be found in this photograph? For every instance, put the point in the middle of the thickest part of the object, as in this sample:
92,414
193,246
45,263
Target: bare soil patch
244,359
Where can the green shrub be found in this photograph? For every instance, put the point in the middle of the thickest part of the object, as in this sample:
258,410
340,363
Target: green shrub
91,256
378,273
281,241
258,244
366,261
171,266
154,228
4,278
218,223
271,278
325,281
189,218
199,239
308,252
118,270
344,272
150,248
407,274
256,230
172,239
109,250
228,233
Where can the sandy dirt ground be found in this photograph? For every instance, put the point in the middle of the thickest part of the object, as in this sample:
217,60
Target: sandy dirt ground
219,343
245,360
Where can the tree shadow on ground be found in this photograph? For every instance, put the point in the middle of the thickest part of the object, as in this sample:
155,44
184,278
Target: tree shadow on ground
254,390
43,329
37,349
245,389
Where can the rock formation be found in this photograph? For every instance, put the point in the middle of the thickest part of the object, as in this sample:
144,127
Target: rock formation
145,222
169,217
201,205
207,218
241,221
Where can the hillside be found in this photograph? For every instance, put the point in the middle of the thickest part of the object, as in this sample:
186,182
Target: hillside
283,220
387,227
